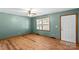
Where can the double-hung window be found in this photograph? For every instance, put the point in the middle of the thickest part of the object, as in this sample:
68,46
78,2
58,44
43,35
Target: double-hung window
43,24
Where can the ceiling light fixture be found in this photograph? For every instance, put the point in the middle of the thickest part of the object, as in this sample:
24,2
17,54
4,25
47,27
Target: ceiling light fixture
31,11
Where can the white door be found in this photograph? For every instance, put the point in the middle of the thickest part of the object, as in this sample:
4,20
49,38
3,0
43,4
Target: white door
68,28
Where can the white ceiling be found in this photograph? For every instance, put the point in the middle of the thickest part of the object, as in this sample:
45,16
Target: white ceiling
40,11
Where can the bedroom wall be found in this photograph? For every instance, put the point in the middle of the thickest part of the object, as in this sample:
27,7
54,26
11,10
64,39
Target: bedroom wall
54,21
11,25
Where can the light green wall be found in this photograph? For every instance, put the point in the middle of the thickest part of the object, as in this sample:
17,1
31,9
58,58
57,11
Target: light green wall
11,25
54,21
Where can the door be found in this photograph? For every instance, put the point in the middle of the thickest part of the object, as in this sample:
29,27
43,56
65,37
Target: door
68,28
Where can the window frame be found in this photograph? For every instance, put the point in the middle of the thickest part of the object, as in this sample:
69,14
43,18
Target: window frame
43,24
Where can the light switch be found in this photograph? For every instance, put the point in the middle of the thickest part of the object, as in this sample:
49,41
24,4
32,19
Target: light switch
56,26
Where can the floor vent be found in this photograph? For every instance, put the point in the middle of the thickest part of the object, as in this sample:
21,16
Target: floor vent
53,37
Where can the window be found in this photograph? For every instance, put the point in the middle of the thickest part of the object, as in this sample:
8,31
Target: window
43,24
39,24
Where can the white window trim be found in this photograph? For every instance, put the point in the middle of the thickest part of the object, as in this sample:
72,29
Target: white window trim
42,25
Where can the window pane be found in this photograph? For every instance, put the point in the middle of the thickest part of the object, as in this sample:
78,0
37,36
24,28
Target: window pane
45,27
39,21
45,20
40,27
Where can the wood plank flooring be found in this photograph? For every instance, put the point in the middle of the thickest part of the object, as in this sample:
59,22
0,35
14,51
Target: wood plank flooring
35,42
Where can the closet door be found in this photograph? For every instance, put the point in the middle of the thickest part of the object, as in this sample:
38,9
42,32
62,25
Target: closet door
68,28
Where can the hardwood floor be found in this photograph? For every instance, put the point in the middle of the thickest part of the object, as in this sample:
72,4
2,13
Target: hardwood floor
35,42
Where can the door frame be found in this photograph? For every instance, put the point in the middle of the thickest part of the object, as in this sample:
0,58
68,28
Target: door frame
76,26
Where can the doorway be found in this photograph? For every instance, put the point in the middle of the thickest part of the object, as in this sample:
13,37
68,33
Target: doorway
69,28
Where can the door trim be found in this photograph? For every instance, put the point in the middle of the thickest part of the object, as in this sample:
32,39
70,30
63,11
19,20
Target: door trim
76,26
